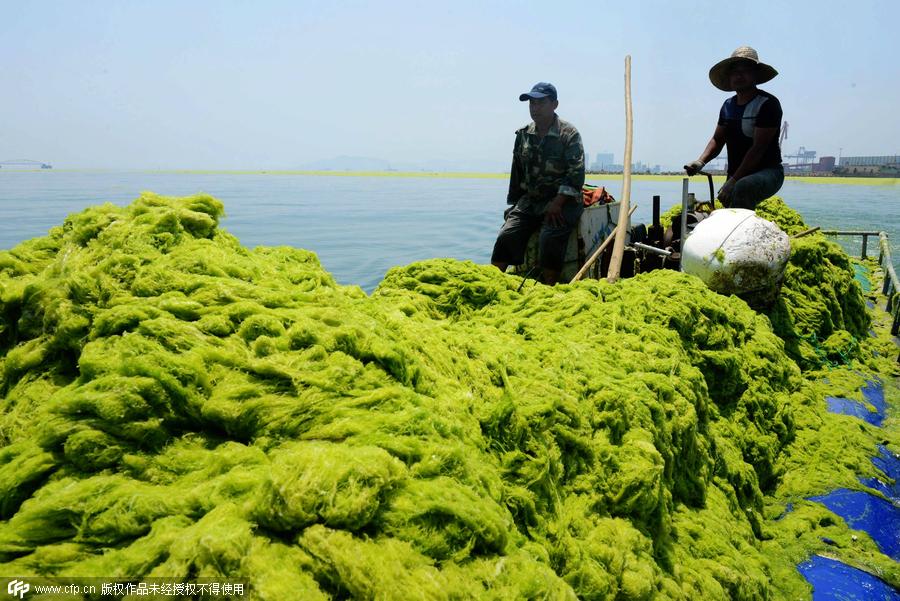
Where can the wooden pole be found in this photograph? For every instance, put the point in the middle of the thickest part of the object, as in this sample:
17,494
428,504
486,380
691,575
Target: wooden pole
615,263
684,211
811,230
596,254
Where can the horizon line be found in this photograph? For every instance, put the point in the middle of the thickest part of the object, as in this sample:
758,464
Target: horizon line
668,176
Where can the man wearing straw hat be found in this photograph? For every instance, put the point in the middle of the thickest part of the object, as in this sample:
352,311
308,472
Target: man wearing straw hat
749,123
544,186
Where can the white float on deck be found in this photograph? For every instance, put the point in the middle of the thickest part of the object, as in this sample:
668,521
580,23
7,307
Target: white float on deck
735,252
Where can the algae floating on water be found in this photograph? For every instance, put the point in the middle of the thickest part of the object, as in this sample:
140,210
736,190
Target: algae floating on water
176,405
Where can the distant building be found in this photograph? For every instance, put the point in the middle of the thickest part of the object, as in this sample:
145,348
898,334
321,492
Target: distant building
603,162
870,165
825,165
717,165
874,161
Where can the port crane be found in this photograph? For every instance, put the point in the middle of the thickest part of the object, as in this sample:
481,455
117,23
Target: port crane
783,136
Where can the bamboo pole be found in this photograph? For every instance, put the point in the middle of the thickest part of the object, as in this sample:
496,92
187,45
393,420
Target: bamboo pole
596,254
615,263
811,230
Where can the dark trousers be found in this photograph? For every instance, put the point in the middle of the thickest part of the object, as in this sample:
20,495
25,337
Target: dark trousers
752,189
513,237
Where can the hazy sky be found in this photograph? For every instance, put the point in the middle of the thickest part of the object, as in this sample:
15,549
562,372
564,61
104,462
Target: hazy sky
242,85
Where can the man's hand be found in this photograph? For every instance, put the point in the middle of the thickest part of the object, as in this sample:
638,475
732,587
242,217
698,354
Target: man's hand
694,167
554,215
725,191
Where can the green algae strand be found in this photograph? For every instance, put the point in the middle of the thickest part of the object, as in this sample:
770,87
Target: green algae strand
176,405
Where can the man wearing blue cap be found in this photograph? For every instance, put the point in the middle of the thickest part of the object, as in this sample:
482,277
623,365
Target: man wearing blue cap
544,186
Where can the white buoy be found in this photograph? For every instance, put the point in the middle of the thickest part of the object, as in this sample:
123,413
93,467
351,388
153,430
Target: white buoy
735,252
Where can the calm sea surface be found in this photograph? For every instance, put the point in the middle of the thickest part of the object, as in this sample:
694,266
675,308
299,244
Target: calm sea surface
362,226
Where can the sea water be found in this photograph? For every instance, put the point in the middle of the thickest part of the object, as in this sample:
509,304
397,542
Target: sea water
362,226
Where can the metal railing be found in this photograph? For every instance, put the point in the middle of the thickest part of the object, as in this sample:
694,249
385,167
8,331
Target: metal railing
891,286
865,238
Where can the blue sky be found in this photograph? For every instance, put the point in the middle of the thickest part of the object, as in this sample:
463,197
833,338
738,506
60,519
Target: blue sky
277,85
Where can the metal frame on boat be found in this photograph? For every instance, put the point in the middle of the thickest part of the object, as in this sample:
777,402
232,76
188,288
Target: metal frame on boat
891,286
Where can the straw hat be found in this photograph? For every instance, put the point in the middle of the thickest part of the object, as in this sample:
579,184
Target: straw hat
718,75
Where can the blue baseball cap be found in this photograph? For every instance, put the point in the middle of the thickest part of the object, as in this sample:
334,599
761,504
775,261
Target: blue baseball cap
542,89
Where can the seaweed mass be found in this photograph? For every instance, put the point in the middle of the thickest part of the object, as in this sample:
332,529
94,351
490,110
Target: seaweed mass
176,405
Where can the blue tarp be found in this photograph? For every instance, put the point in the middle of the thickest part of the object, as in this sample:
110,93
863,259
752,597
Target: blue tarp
890,467
880,519
861,275
873,392
832,579
854,408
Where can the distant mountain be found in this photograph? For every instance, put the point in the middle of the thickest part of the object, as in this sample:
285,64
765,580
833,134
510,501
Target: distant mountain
351,163
467,165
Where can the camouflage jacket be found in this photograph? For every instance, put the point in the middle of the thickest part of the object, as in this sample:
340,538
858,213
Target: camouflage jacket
541,169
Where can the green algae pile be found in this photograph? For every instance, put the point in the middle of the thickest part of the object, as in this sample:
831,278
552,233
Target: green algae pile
176,405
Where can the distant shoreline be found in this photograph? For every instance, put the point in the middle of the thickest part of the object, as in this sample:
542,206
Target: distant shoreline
868,181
